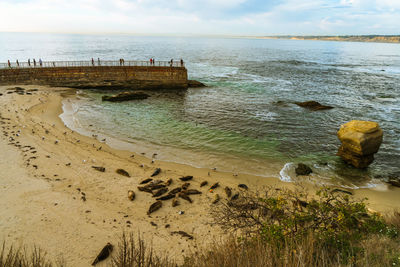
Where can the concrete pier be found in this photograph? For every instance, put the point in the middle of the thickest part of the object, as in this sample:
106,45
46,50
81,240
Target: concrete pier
129,75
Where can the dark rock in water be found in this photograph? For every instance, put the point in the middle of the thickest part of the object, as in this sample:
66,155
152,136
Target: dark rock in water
186,178
195,84
104,253
313,105
154,207
100,169
122,172
303,169
125,96
156,172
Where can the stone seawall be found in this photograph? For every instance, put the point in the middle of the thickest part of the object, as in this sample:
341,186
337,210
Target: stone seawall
99,77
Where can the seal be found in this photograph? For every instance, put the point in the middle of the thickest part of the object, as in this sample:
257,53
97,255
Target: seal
185,186
186,178
160,192
104,253
193,192
156,172
176,190
168,182
100,169
214,185
175,202
145,181
122,172
154,207
204,183
243,186
228,191
185,197
131,195
166,197
216,199
235,196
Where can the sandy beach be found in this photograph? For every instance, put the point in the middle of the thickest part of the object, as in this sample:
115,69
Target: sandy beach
52,197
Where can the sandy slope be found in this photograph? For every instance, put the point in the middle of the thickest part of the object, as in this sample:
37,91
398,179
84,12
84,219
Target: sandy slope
41,192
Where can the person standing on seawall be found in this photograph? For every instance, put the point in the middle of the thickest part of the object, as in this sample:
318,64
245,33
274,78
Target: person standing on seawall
9,64
98,61
29,62
40,62
34,62
92,62
17,63
181,62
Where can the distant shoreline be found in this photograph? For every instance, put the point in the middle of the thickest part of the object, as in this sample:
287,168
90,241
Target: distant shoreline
345,38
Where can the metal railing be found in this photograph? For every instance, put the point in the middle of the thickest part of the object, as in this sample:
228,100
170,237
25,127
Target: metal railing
95,63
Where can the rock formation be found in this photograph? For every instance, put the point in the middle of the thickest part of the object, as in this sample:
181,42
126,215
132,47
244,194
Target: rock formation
125,96
360,141
193,84
313,105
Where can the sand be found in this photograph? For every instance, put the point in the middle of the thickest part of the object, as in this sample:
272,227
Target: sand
42,183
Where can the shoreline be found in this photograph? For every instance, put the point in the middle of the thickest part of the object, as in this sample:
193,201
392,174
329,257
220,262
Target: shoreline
43,205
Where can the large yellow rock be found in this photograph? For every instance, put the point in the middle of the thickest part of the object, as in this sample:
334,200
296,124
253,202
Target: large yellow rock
360,140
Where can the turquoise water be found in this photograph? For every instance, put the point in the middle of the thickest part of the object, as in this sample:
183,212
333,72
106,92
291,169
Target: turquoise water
245,120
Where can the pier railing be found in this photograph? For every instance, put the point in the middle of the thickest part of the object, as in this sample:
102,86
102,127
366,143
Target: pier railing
95,63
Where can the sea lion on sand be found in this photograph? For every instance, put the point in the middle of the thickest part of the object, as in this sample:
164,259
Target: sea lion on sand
104,253
122,172
145,189
186,178
235,196
154,207
243,186
100,169
145,181
214,185
182,233
131,195
216,199
185,197
193,192
175,202
185,186
166,197
156,172
176,190
168,182
156,186
228,191
160,192
204,183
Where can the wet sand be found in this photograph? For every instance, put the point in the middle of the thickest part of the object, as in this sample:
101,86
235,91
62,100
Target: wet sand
47,169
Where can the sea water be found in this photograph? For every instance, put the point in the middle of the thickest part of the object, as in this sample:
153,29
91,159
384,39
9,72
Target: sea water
245,120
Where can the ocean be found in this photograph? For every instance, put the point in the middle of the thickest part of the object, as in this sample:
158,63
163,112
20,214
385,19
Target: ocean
245,120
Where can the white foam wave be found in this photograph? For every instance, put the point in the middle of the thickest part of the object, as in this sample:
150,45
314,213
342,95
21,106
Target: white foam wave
287,172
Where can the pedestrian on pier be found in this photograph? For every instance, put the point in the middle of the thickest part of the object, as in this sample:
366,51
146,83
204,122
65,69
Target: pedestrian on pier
29,62
171,62
92,62
40,62
181,62
98,61
123,61
17,63
151,61
9,64
34,62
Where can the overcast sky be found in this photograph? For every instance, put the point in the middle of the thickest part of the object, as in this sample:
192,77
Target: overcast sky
215,17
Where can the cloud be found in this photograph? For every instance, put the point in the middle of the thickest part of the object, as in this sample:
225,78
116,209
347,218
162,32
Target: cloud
231,17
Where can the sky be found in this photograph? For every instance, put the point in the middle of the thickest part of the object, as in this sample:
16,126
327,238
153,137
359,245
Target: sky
206,17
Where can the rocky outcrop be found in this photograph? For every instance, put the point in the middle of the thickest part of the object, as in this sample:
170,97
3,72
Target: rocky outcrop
125,96
360,141
195,84
313,105
303,169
